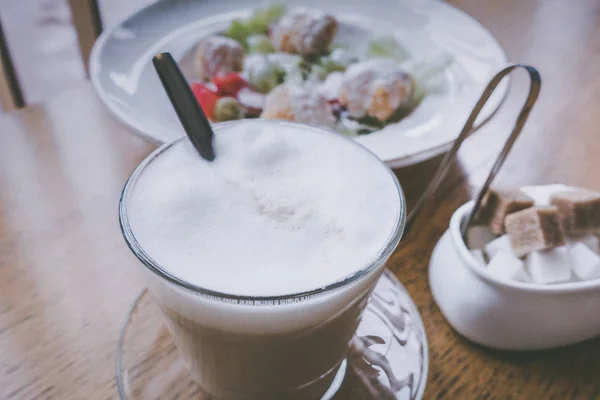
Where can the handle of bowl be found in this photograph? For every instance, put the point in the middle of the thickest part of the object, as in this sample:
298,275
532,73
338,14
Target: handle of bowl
442,171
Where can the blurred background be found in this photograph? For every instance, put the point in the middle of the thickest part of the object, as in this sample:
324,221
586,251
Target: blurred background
43,42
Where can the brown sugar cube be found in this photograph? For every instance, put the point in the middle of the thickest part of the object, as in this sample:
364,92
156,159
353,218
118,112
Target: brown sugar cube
534,229
578,210
500,203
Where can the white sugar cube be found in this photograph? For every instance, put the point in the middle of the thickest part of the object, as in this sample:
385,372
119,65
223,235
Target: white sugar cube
500,244
549,266
479,236
541,194
478,256
585,264
505,265
591,241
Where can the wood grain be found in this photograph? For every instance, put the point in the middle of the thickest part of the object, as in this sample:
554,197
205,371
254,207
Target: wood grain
67,278
86,18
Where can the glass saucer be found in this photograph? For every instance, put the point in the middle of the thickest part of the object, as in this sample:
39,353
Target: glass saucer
388,356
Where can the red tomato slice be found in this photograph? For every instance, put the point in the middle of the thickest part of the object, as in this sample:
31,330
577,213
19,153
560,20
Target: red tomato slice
230,84
206,97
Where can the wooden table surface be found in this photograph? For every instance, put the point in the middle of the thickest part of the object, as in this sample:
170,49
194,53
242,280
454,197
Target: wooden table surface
67,278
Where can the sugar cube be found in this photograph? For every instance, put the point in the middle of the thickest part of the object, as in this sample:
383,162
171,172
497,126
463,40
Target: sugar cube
585,264
478,237
496,245
591,241
541,194
549,266
478,256
579,211
505,265
533,229
501,202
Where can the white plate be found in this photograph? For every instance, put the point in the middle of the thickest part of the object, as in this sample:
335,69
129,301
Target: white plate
121,70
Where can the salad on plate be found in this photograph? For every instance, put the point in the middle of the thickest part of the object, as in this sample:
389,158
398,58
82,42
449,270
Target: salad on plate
287,64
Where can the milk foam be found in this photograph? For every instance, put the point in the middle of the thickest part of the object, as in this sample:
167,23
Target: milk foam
282,209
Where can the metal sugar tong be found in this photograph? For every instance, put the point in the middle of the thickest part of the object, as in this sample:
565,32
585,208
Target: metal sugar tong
535,83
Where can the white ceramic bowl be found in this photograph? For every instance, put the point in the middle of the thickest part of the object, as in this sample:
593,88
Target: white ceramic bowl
505,314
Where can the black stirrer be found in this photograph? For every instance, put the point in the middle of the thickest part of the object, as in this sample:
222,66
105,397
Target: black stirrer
184,102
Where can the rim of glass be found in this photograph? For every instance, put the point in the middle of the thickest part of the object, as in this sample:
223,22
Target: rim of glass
156,268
